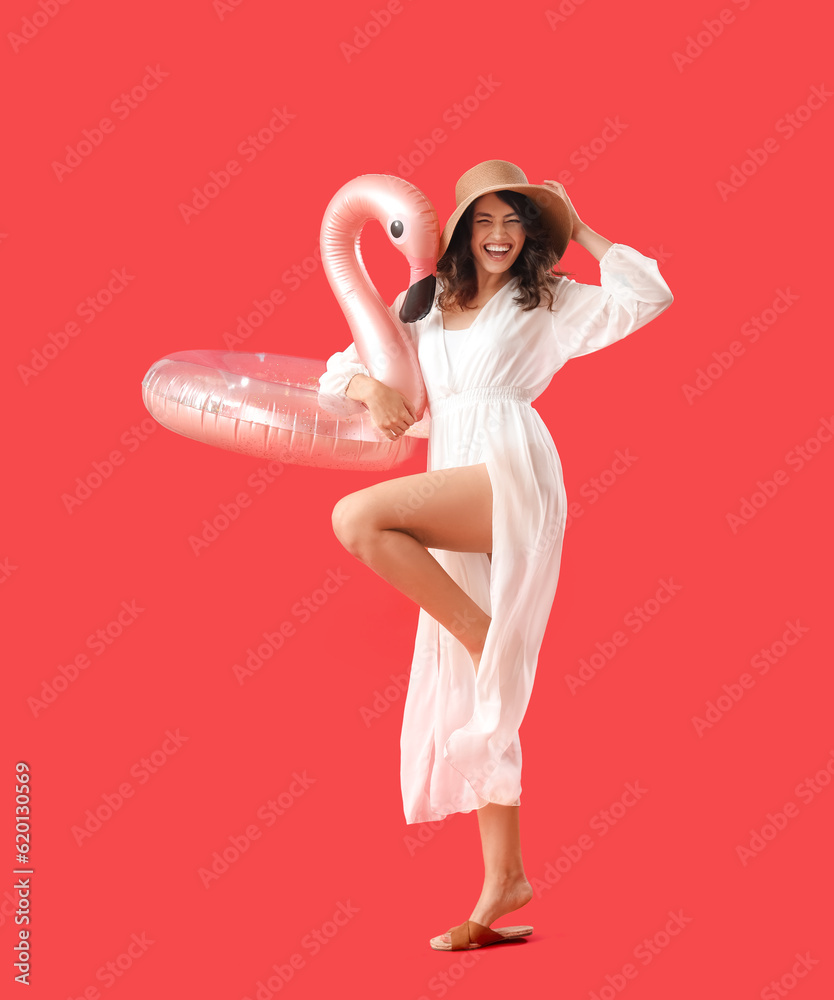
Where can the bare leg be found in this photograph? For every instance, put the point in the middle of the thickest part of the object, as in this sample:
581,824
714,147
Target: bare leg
505,885
390,526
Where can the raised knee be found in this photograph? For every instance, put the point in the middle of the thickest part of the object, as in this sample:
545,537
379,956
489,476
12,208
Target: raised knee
349,524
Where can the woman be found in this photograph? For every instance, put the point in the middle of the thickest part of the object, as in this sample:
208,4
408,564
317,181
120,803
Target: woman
476,540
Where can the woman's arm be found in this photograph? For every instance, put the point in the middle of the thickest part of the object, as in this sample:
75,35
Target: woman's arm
593,242
582,234
360,386
631,293
341,367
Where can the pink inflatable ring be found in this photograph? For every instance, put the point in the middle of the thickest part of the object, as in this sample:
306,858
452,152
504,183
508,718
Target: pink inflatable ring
269,405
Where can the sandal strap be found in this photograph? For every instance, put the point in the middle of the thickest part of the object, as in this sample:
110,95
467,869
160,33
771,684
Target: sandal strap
471,932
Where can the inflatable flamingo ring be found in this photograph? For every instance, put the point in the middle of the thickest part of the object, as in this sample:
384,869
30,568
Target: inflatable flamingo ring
269,405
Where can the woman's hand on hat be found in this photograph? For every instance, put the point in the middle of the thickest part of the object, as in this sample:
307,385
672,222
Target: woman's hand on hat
559,189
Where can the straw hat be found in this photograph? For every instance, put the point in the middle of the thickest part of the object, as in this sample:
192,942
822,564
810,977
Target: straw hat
499,175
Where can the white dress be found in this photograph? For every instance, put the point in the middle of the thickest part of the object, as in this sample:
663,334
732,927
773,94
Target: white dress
459,746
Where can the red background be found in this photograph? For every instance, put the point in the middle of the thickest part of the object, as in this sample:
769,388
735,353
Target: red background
726,258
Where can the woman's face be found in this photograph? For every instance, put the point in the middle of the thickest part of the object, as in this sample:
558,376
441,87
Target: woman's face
497,236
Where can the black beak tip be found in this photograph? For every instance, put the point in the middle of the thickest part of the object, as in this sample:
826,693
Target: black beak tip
418,300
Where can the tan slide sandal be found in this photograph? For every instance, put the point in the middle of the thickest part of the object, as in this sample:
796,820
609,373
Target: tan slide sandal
470,934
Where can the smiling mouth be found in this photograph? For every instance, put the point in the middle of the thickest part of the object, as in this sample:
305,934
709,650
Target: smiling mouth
497,251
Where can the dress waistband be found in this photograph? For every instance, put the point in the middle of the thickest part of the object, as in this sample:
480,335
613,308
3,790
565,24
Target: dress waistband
478,394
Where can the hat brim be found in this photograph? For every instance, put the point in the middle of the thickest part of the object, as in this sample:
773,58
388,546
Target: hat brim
555,214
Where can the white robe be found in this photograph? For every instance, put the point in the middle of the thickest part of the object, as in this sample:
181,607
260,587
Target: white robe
459,746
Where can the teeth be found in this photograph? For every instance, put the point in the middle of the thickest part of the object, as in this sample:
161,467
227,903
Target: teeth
497,246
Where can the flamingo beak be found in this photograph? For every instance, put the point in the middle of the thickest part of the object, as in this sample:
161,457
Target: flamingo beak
421,288
418,299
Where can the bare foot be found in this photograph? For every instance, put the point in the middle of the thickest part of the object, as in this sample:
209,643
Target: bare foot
499,896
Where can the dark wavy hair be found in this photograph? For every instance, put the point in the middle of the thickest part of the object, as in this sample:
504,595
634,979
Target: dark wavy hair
534,266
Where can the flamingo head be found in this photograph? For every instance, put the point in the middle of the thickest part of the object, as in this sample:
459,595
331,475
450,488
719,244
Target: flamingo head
412,226
410,223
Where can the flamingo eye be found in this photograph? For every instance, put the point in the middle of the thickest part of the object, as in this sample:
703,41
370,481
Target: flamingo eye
398,229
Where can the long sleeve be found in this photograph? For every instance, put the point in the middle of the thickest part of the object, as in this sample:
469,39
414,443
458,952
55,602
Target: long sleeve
341,367
631,293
